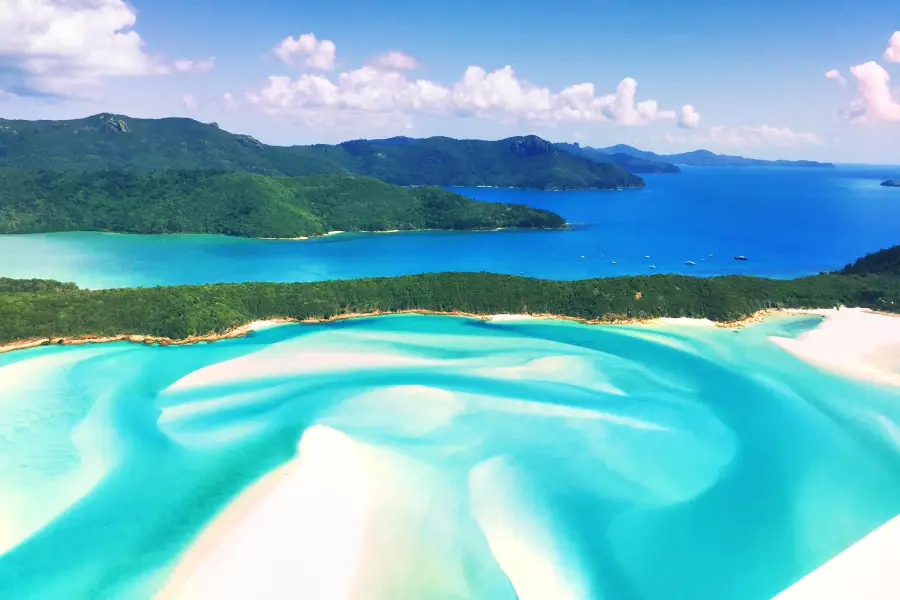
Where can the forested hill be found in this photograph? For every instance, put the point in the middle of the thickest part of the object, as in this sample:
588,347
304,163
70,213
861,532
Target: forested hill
117,142
240,204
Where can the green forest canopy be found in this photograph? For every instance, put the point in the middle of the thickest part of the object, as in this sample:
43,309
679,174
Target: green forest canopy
51,309
240,204
107,141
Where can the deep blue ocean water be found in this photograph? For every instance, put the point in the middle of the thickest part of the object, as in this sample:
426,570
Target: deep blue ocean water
787,222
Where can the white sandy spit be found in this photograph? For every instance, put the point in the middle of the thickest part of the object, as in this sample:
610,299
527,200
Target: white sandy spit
867,570
297,533
853,341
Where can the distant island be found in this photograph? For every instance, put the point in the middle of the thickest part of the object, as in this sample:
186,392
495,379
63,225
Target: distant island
241,204
891,183
106,141
632,164
30,309
697,158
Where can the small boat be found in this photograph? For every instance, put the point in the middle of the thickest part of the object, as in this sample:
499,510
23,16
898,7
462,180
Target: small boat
652,266
582,256
690,262
709,254
613,262
647,256
740,258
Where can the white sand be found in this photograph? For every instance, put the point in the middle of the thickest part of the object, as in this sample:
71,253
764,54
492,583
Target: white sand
850,340
510,317
297,533
868,570
682,321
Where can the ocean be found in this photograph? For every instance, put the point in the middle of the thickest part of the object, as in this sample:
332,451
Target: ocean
787,222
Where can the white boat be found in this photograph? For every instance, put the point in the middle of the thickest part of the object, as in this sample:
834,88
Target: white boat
648,256
689,262
652,266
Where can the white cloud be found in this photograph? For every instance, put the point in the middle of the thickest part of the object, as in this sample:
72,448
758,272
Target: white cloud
394,60
747,136
877,102
498,95
316,54
689,118
836,75
68,46
229,102
185,65
892,54
190,102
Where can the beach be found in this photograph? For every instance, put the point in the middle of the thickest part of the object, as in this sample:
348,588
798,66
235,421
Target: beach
853,341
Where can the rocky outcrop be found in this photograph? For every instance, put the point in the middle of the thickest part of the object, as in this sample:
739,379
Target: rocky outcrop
532,145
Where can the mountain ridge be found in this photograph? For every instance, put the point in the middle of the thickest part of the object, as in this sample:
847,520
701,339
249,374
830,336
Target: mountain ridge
109,141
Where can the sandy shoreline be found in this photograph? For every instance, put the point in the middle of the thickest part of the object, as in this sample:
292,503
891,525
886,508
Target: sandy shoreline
829,315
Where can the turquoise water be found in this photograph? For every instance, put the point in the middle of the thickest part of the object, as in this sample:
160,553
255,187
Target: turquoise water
629,462
788,222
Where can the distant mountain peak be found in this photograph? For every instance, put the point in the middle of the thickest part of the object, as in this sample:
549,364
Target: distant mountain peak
532,145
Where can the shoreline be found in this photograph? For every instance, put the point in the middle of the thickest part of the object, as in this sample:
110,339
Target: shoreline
242,330
565,227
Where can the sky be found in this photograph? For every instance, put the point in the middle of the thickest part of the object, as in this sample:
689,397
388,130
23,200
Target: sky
813,79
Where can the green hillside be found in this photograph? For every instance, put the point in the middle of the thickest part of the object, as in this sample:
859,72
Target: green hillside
103,142
240,204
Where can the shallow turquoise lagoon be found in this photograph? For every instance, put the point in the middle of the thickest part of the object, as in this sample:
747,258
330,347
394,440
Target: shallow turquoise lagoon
505,460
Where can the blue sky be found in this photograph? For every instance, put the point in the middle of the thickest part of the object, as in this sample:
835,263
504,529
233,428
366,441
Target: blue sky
752,73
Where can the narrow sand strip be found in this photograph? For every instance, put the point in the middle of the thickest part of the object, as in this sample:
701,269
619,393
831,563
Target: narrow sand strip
853,341
867,570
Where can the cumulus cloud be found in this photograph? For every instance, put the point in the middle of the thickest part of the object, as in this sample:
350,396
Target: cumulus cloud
836,75
185,65
394,60
316,54
892,54
69,47
689,118
877,102
497,94
747,136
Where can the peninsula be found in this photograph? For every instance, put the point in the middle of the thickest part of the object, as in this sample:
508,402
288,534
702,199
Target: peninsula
117,142
891,183
241,204
42,311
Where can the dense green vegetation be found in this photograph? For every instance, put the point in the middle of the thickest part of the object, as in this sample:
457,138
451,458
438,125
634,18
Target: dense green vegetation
178,312
883,262
632,164
240,204
103,142
34,285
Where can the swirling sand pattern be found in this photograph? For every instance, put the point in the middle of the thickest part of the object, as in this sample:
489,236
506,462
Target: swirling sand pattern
437,457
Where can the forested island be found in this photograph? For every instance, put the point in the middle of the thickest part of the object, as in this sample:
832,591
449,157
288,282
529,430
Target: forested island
33,309
115,142
891,183
241,204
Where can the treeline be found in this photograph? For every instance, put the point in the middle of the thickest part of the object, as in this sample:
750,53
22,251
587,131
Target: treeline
56,310
240,204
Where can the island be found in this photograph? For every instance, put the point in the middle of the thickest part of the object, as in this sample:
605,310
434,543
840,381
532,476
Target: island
706,158
36,312
119,142
891,183
242,204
